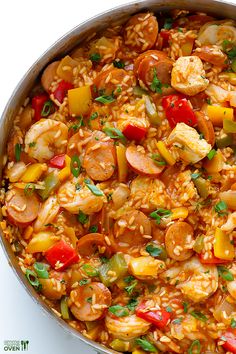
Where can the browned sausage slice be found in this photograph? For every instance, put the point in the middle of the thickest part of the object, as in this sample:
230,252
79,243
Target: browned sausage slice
178,241
129,230
141,32
21,210
154,54
100,157
107,82
89,310
141,163
49,74
205,127
212,54
89,244
162,68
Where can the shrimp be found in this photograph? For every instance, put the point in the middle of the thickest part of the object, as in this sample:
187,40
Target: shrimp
48,211
75,200
230,224
126,328
49,137
196,281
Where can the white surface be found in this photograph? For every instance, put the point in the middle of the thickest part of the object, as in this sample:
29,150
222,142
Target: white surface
27,29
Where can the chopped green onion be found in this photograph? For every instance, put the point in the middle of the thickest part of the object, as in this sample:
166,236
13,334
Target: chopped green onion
211,154
32,144
78,125
199,316
118,64
145,345
114,133
82,218
93,116
221,208
168,309
195,175
96,57
41,270
105,99
17,152
93,229
160,214
119,311
195,347
47,108
33,279
168,23
75,166
29,189
128,279
95,190
89,270
65,314
157,159
224,273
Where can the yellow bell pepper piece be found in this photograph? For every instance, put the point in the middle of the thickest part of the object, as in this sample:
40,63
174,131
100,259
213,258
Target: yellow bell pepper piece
41,242
178,213
33,172
223,248
79,100
216,164
139,351
65,172
217,113
28,232
65,68
165,153
146,266
122,162
187,47
94,332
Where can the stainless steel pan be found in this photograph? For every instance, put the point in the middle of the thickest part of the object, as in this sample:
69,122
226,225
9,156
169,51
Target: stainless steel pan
61,47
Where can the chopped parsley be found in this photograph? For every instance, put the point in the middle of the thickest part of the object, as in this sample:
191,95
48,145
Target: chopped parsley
82,218
89,300
118,64
168,23
105,99
95,57
199,316
128,279
195,347
18,150
145,345
32,144
84,282
168,309
119,311
132,304
233,323
93,229
153,250
156,85
129,289
114,133
185,305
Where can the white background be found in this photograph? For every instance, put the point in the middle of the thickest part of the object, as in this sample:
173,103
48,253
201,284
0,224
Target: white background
27,29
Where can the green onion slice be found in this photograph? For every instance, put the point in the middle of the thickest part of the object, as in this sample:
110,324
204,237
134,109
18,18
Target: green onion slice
93,188
119,311
41,270
75,166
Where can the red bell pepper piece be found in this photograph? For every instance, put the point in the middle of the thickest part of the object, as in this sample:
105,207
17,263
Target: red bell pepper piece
165,35
159,317
230,341
131,132
58,161
178,110
38,103
61,255
212,260
61,90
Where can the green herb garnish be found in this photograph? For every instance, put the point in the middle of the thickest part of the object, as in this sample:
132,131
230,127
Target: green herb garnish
221,208
168,23
195,175
95,57
75,166
118,64
89,270
119,311
224,273
132,304
131,287
156,85
114,133
195,347
93,229
153,250
211,154
82,218
95,190
29,189
160,214
199,316
47,108
105,99
145,345
41,270
17,152
33,279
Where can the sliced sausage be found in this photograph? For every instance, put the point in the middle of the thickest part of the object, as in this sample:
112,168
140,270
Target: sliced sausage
205,127
178,241
89,310
142,163
141,32
49,74
21,210
212,54
155,54
100,157
130,229
75,141
107,82
89,244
